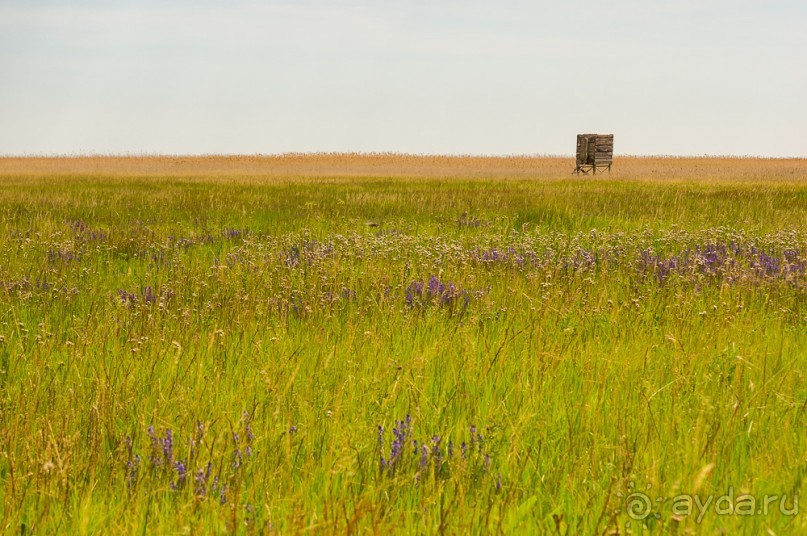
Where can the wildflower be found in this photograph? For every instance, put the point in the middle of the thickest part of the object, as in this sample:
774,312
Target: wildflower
436,452
132,469
200,480
424,457
156,447
182,472
127,298
247,428
413,292
168,445
293,257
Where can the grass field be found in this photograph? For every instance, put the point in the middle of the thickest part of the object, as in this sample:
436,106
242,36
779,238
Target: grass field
347,343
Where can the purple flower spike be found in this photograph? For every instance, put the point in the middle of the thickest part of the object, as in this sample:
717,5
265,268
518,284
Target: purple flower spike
200,481
168,446
182,472
424,457
148,295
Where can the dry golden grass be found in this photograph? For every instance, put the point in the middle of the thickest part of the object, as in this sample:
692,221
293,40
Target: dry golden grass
403,165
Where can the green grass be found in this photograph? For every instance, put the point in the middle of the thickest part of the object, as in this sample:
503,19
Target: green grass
586,380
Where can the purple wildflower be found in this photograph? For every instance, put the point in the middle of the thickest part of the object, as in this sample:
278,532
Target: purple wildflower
156,447
293,257
132,469
414,292
200,480
168,446
437,454
433,291
424,457
148,295
247,428
182,473
127,298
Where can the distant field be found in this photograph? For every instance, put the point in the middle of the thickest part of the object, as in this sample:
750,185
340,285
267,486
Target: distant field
373,343
401,165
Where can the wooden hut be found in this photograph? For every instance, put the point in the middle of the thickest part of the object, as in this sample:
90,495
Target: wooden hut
594,151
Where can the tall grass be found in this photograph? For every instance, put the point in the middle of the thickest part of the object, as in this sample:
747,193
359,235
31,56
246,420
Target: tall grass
235,351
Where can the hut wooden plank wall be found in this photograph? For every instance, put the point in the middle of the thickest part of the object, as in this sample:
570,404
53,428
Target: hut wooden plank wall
594,151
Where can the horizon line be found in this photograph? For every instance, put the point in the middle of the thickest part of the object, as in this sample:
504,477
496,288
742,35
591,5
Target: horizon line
378,154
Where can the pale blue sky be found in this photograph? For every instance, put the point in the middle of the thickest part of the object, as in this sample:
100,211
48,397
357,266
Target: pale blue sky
509,77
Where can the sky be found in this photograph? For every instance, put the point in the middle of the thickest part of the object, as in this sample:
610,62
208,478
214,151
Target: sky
685,77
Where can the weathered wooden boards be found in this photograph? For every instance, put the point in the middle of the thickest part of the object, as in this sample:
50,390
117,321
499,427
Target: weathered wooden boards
594,151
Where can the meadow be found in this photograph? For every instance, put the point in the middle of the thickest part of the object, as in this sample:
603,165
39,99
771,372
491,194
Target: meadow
390,343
